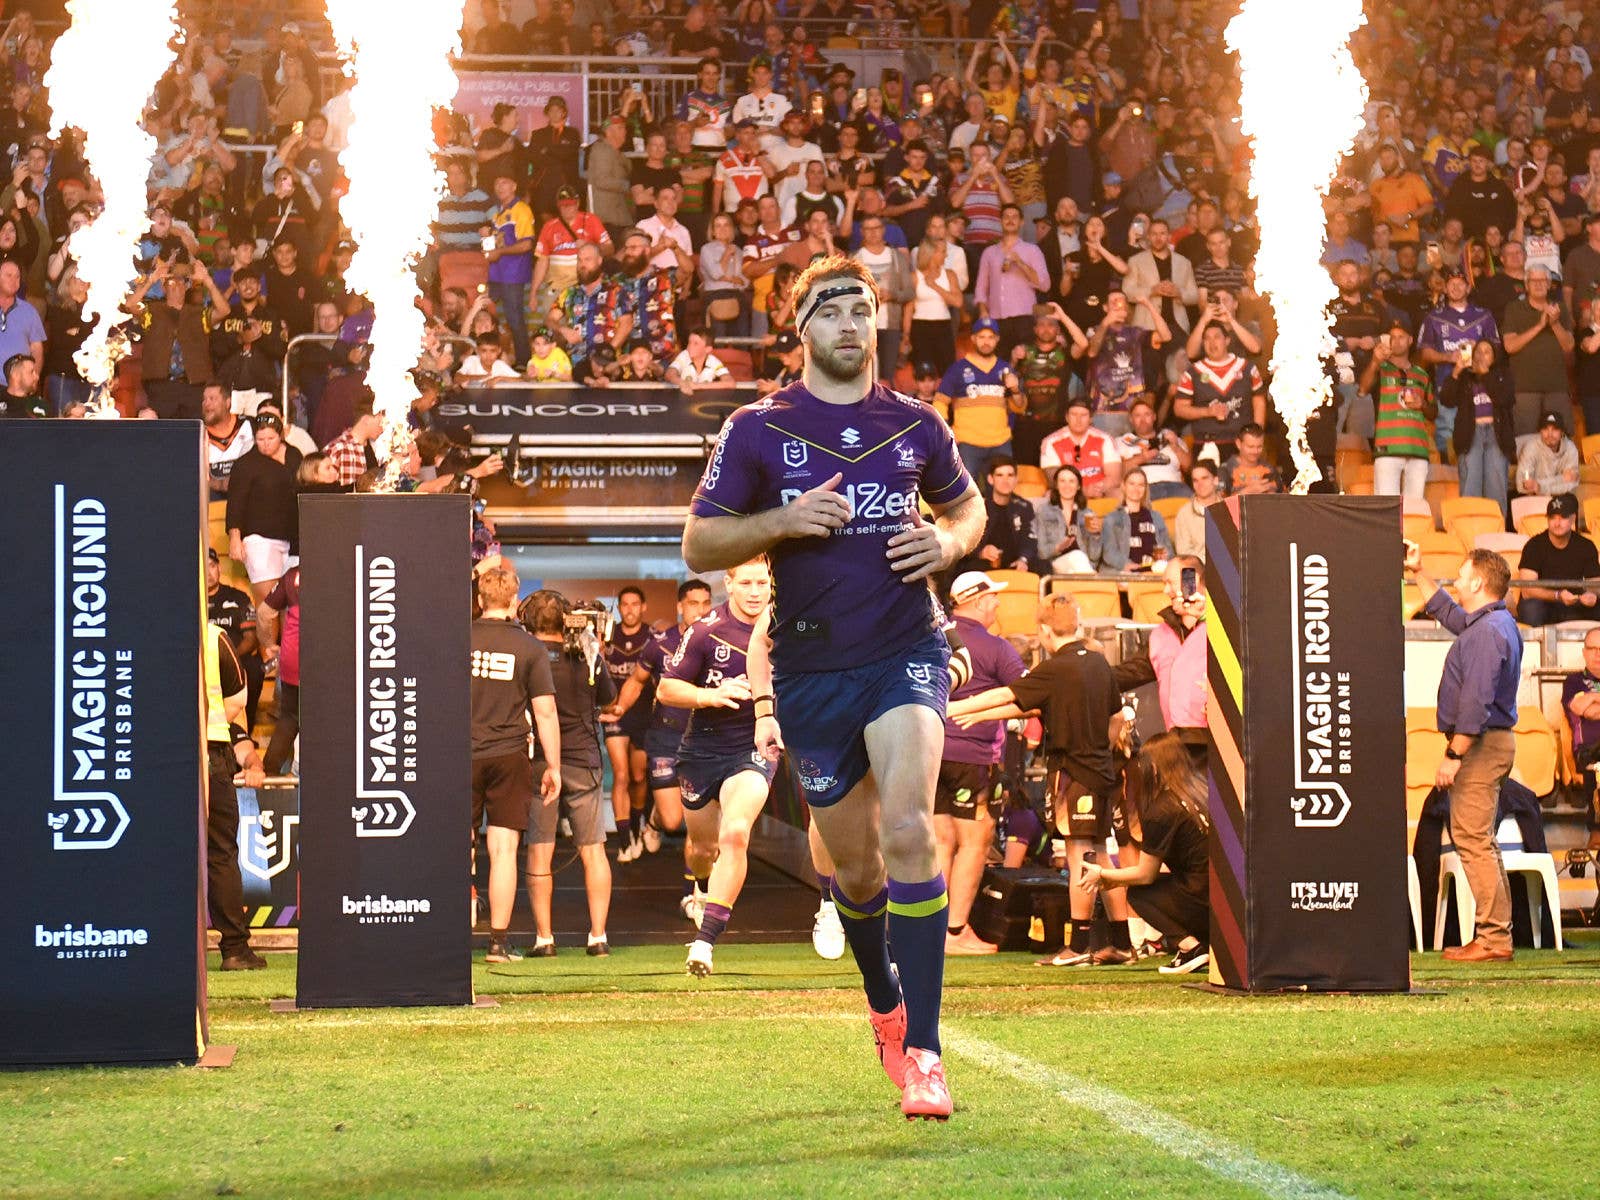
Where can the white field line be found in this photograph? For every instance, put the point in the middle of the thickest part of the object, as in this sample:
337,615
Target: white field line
1221,1158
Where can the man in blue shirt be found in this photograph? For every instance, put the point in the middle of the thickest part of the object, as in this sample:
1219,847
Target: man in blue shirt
1477,708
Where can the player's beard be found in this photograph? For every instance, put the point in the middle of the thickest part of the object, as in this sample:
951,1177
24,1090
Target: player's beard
840,368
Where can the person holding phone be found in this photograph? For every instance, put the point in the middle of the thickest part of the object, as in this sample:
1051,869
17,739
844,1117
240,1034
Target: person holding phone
1177,656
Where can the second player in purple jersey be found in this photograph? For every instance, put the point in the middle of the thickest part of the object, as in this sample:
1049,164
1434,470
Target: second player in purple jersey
714,649
837,601
655,656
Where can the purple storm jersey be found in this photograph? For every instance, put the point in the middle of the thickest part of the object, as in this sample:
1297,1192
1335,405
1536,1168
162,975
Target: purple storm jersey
995,663
837,602
1447,329
655,656
621,654
713,650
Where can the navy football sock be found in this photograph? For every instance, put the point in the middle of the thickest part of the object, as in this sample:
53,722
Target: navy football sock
917,929
866,929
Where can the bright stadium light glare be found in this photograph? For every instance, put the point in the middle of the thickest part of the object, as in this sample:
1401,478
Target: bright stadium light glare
401,62
102,73
1301,100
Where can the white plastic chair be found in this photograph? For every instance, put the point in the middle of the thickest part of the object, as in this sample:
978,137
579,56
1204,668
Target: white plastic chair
1414,894
1542,886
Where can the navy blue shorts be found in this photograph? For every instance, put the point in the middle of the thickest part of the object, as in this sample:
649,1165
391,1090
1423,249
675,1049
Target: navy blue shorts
825,714
661,757
702,778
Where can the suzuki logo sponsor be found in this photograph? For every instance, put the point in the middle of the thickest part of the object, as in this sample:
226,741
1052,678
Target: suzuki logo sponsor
381,910
89,940
93,717
1324,896
386,706
849,437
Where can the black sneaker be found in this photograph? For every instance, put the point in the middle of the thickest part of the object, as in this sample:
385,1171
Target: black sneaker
598,949
542,950
246,960
502,952
1185,961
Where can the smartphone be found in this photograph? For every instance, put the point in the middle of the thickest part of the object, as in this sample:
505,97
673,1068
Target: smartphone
299,128
859,100
1189,581
483,289
1435,258
489,243
818,101
1137,110
1089,858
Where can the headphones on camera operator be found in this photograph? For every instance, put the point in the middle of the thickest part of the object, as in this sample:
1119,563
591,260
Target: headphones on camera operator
585,624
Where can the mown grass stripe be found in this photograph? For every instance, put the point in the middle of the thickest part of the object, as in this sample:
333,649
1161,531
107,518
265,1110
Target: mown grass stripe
1220,1157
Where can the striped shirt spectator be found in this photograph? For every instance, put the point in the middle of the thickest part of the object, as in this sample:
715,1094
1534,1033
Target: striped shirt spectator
463,211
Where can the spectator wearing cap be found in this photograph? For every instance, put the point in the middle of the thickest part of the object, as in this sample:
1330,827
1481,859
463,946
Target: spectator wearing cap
21,396
639,365
262,519
743,170
548,363
786,363
1559,553
509,247
980,397
1478,390
1478,198
1547,464
1447,334
706,110
553,153
176,359
1404,407
611,178
723,285
761,103
1538,340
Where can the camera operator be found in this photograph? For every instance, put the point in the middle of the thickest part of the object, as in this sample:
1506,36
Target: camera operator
583,686
510,677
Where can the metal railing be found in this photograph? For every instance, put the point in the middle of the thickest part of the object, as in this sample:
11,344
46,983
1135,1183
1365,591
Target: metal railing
328,339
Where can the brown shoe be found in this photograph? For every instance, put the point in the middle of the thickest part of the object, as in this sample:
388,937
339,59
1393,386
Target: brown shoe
246,960
968,943
1476,951
1111,956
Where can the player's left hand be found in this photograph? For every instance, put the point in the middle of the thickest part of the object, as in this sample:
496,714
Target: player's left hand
769,738
1445,776
919,551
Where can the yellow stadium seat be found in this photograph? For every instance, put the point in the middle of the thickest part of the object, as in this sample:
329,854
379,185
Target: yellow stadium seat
1103,504
1442,485
1417,526
1357,480
1019,603
1438,542
1589,448
1468,516
1031,482
1096,597
1536,752
1147,600
1169,507
1590,509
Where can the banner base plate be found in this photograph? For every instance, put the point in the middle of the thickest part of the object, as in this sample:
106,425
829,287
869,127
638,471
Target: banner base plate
217,1058
1217,989
286,1004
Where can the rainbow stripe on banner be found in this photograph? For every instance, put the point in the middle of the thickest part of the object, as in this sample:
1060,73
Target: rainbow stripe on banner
267,916
1230,964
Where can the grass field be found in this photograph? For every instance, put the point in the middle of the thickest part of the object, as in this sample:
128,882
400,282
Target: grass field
622,1077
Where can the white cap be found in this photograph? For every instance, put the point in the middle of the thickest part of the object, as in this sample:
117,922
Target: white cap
971,584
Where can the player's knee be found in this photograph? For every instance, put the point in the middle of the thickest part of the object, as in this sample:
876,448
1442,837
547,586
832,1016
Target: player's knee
734,839
861,881
908,842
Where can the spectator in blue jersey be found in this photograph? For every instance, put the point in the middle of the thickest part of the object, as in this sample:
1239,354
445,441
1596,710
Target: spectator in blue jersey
1446,337
969,786
980,396
724,781
863,667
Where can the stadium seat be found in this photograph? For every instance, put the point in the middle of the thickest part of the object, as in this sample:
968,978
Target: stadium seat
1031,482
1589,448
1590,509
1357,480
1500,543
1536,751
1103,504
1169,507
1442,485
1468,516
1018,614
1528,514
738,362
1416,517
1352,453
464,269
1543,887
1147,600
1096,597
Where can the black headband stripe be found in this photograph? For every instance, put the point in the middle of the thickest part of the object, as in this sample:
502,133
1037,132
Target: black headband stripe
833,293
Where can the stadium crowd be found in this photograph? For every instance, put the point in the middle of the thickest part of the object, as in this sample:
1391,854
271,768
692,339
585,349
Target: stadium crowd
1058,222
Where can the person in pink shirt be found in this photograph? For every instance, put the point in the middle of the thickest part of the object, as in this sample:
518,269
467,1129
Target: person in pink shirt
1177,656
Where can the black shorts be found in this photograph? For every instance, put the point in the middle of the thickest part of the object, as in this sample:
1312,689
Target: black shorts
503,788
1083,814
964,788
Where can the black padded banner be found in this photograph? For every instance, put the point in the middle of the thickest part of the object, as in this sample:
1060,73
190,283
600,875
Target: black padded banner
100,699
1324,743
385,751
